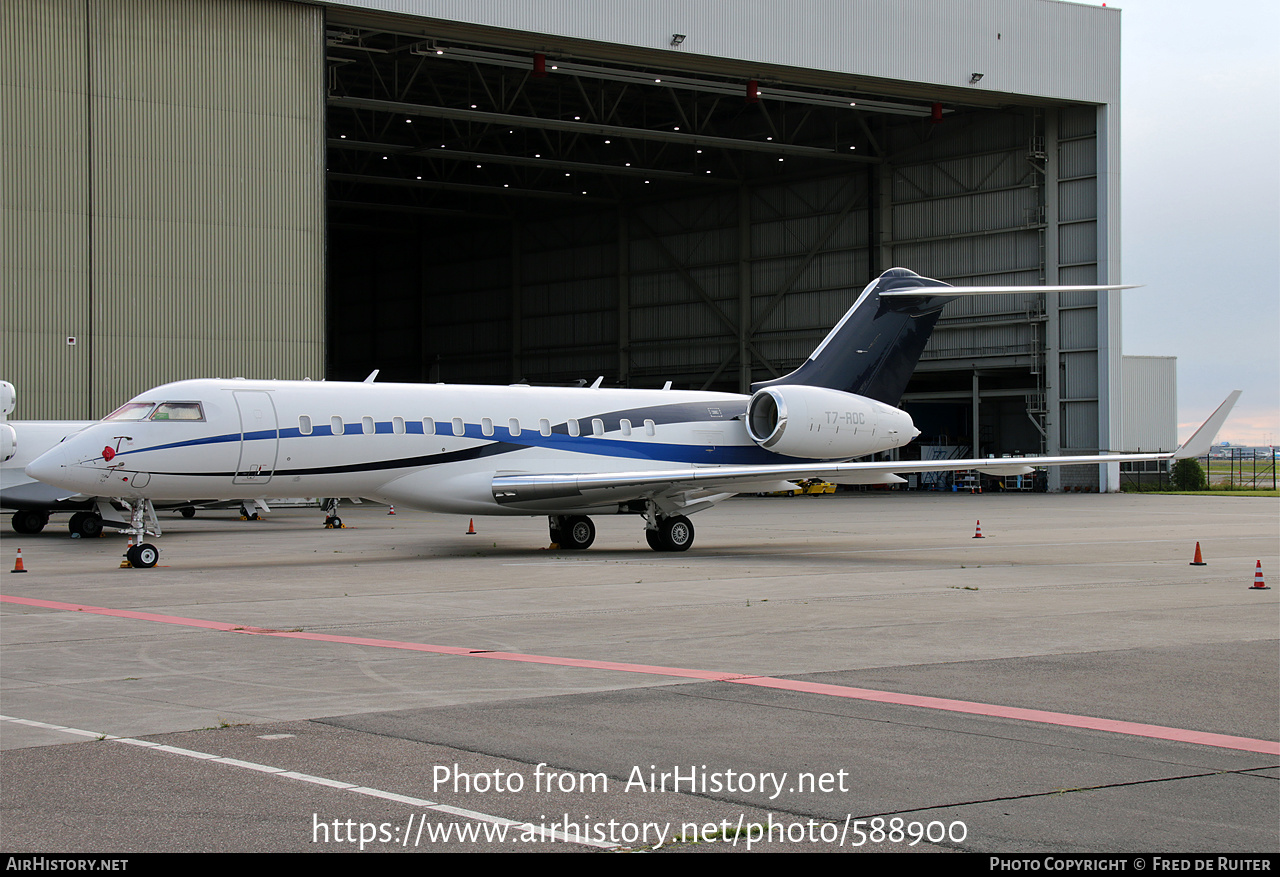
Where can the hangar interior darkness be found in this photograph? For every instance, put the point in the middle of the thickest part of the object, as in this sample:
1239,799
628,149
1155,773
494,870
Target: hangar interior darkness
503,210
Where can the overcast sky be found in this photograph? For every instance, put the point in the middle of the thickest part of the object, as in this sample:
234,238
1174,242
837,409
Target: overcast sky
1200,134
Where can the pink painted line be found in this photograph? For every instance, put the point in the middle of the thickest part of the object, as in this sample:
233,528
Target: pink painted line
1069,720
117,613
1113,726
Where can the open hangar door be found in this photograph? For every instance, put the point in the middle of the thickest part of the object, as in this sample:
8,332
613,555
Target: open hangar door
501,209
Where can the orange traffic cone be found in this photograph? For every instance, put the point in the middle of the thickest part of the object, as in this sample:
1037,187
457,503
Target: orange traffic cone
392,510
18,567
471,529
124,561
978,535
1259,584
1198,560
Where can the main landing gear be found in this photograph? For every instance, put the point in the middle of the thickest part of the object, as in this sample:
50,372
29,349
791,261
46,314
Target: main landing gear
86,525
28,522
672,534
577,532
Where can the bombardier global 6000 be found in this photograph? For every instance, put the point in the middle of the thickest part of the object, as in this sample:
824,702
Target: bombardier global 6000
564,452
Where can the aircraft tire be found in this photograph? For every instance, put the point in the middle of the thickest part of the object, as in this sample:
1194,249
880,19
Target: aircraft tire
86,525
654,539
577,532
187,511
28,522
676,533
143,556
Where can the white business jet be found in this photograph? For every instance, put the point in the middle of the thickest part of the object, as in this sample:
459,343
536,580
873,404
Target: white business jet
567,453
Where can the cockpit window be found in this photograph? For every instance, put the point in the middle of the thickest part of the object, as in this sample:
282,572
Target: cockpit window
131,411
178,411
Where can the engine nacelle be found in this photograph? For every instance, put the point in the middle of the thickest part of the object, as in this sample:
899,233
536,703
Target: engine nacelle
818,423
8,442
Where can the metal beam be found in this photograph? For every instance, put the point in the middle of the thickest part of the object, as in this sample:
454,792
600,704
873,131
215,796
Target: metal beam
579,127
517,160
505,191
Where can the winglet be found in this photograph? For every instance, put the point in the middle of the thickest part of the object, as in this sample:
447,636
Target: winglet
1198,444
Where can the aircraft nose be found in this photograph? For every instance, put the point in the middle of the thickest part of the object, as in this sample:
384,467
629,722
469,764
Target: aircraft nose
50,467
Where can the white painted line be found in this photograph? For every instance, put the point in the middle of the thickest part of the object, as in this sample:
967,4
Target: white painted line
524,827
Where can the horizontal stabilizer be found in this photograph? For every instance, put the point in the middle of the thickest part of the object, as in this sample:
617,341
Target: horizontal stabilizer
991,290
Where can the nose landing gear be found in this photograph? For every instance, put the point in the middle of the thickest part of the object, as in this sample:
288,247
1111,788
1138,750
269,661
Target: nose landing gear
142,522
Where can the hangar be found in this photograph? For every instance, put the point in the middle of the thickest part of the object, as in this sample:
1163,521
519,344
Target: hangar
446,190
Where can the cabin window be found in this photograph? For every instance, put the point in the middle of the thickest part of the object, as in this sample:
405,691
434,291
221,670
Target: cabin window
597,426
131,411
366,424
428,426
649,428
335,423
397,425
626,426
513,426
304,424
573,427
178,411
486,425
458,427
544,426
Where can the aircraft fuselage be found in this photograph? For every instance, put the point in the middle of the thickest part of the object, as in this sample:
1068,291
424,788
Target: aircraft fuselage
436,447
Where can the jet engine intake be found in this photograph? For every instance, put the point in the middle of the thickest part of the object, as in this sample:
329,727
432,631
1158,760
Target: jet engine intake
817,423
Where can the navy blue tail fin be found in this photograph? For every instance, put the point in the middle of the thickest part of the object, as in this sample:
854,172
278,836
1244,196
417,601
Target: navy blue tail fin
874,349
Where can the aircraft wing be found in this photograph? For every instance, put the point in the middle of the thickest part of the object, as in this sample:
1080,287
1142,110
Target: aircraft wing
524,488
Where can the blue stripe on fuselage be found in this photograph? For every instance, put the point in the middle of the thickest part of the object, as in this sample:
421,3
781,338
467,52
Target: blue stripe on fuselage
559,440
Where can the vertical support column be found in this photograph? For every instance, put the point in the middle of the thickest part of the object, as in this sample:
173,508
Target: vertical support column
424,310
517,310
976,402
624,299
1109,371
1053,330
744,288
883,206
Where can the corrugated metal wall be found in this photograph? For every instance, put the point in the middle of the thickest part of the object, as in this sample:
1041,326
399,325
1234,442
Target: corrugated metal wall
1150,403
44,197
172,154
